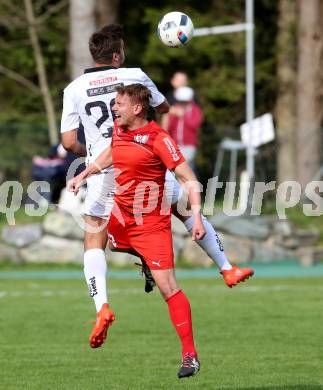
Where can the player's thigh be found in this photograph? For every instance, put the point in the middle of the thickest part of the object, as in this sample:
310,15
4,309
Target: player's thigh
176,197
153,241
99,197
173,190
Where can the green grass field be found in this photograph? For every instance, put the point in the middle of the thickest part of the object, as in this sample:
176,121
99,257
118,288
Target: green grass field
265,334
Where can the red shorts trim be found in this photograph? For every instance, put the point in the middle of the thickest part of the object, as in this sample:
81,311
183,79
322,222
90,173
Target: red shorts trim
152,240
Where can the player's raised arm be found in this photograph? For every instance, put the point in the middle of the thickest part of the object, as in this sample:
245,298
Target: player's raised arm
186,176
103,161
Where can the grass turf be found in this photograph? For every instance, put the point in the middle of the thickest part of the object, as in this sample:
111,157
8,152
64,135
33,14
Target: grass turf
265,334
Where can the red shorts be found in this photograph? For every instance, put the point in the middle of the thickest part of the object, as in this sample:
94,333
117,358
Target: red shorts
152,239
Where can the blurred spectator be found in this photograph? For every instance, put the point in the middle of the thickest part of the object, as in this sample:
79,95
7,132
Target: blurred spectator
179,79
183,122
53,169
70,156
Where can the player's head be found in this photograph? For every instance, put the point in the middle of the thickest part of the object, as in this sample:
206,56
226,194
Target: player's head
131,103
107,46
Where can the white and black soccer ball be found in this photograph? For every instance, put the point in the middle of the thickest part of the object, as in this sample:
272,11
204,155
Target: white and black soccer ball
175,29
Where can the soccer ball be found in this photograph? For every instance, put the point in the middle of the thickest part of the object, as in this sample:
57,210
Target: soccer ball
175,29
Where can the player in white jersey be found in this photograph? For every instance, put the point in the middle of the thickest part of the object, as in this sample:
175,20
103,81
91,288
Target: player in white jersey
89,99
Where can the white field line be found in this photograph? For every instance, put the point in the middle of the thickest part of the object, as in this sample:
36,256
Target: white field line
37,292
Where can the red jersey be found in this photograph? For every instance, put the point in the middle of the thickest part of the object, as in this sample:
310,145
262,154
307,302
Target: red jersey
140,159
184,130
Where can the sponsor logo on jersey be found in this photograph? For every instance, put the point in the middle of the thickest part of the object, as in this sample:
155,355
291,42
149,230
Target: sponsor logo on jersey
171,148
104,80
141,139
103,90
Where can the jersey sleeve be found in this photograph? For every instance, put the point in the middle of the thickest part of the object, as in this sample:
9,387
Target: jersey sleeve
157,98
168,151
70,117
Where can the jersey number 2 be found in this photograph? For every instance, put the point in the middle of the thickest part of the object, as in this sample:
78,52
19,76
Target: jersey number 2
105,114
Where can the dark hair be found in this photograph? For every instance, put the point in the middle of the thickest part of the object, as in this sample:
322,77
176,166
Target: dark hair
105,42
138,93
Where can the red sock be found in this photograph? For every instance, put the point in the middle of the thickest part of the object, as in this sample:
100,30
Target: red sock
180,314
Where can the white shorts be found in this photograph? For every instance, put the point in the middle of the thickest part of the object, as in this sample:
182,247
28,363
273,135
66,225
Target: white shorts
188,152
173,189
99,197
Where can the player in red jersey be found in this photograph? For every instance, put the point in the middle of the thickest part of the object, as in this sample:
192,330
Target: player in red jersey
141,152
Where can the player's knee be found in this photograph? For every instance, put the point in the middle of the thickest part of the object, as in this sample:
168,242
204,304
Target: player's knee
166,282
95,241
168,291
171,292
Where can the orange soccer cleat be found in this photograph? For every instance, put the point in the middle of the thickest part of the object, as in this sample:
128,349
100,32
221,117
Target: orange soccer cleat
236,275
104,319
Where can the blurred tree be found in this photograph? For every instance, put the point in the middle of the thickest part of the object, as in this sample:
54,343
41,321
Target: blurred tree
107,12
20,79
82,25
41,72
18,64
23,122
286,99
309,89
16,20
216,67
215,64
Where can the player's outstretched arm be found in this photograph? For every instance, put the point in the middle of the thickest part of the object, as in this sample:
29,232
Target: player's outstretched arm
186,177
103,161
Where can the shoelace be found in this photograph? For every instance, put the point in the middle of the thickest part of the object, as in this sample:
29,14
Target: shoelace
188,360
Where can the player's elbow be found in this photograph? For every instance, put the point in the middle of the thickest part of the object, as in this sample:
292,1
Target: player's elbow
184,173
70,147
69,142
163,108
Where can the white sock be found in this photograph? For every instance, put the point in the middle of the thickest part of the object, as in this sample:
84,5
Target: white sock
211,243
95,269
